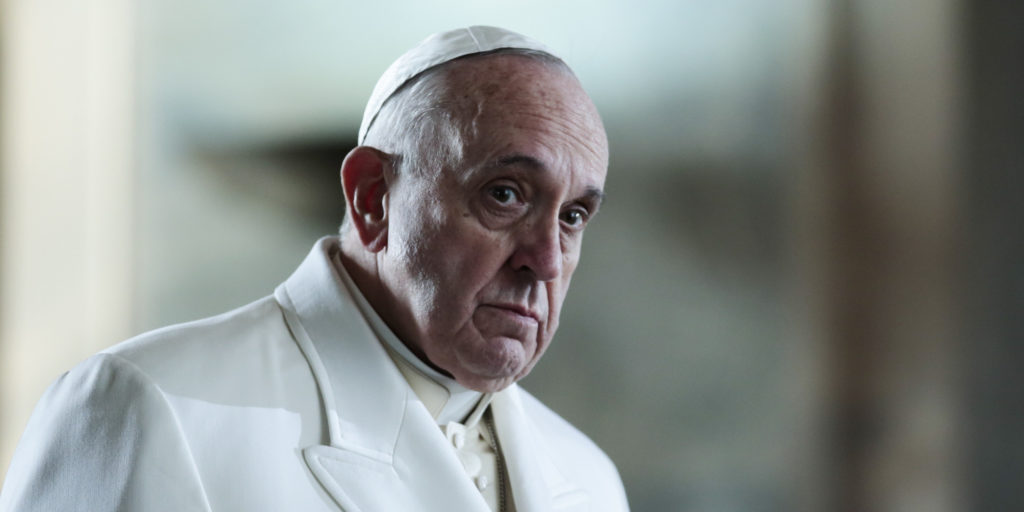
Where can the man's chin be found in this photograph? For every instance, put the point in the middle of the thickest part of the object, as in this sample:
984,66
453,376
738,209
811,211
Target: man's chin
495,372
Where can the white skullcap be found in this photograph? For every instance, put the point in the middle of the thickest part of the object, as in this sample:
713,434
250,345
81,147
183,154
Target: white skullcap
438,49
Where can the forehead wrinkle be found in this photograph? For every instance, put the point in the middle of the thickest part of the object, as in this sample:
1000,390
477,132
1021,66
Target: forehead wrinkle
578,141
577,118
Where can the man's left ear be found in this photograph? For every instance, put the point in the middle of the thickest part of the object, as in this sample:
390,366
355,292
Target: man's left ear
364,180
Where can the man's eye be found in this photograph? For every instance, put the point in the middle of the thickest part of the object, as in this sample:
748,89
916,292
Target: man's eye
573,217
503,194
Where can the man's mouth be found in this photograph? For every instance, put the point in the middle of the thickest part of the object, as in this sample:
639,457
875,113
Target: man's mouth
522,313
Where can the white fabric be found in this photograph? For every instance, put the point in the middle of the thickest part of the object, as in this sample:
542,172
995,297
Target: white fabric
289,403
435,50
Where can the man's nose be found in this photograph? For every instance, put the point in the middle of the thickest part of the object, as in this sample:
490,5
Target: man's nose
539,251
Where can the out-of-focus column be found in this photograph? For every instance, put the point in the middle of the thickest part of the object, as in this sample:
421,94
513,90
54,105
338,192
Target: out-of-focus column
880,230
66,194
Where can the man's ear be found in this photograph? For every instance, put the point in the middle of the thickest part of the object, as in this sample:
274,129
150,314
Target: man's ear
364,180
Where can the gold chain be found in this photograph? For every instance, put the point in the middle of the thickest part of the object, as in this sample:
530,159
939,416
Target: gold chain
499,460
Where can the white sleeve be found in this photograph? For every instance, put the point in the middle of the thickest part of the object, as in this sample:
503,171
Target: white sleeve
103,438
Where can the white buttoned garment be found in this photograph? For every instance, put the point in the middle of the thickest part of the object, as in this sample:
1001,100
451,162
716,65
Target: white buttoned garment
288,403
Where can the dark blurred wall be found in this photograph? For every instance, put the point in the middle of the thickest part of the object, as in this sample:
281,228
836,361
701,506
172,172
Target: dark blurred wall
993,263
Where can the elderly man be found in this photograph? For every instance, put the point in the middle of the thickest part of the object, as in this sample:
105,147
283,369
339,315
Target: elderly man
381,375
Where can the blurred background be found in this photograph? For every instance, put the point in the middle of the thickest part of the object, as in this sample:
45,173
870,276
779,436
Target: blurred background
803,294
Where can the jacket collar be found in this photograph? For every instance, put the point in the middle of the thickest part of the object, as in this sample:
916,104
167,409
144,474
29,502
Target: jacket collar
359,385
384,450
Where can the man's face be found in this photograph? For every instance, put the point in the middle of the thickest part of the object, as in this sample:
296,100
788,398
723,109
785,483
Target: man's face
479,257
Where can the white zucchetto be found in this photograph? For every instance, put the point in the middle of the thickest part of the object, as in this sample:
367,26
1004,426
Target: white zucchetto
438,49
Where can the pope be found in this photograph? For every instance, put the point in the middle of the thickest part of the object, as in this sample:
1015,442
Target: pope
380,376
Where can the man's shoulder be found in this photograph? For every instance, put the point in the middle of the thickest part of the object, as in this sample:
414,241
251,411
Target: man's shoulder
252,321
183,404
238,341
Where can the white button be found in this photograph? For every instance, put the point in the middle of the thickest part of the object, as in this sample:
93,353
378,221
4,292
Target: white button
470,462
481,482
456,434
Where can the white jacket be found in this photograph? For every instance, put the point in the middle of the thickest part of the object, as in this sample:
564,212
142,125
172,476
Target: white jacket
288,403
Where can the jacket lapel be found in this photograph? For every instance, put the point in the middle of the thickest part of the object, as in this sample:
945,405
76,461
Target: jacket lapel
537,484
383,451
423,473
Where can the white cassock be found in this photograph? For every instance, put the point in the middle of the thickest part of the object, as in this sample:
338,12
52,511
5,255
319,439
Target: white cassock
288,403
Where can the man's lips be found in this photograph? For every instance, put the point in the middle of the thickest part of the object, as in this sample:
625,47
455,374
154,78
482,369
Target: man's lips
515,309
507,322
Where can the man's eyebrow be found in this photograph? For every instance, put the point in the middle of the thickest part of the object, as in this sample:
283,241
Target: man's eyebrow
592,194
519,159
